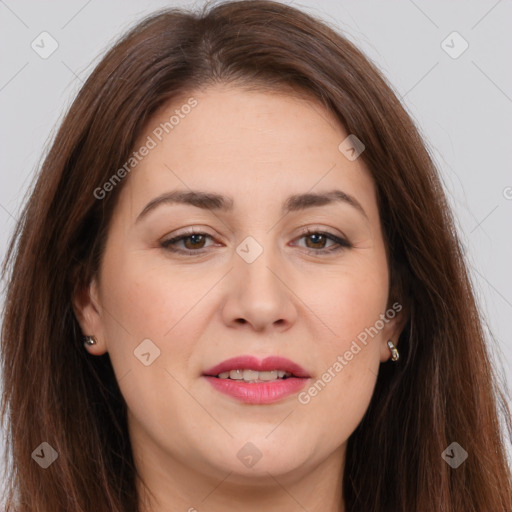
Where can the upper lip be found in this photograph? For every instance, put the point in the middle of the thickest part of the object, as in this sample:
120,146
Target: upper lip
253,363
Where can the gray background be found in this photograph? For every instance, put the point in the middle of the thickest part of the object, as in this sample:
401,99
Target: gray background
462,105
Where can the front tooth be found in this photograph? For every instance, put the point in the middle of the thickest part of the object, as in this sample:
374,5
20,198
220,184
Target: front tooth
269,375
253,375
250,375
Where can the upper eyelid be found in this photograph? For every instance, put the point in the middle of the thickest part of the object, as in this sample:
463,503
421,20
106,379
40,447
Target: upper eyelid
306,231
303,232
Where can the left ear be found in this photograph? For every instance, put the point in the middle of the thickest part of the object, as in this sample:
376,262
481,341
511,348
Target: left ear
396,318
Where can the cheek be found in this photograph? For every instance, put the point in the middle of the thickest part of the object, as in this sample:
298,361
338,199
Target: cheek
146,301
150,299
156,301
348,302
350,349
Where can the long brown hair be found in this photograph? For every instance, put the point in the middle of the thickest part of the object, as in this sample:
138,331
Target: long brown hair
443,389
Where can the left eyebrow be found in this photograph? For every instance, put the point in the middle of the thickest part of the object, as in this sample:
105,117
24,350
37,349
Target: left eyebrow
213,201
310,200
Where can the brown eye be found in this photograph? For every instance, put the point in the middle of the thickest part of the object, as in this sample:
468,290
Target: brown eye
316,240
196,241
192,242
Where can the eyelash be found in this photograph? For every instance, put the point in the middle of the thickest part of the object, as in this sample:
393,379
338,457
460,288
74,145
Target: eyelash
340,242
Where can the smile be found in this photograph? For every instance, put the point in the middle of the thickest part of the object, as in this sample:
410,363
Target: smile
252,381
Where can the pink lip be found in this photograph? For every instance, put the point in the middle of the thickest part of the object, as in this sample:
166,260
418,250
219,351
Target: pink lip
252,363
261,392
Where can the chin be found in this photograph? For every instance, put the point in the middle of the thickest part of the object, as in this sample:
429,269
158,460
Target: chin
263,470
257,458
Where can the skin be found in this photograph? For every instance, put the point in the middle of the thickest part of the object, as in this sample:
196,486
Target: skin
257,148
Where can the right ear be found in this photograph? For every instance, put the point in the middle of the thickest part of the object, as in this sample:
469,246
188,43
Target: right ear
88,312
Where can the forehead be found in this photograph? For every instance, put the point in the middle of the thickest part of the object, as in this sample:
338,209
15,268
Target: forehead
249,145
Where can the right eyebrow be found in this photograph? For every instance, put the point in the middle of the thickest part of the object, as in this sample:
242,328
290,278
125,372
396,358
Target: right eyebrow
204,200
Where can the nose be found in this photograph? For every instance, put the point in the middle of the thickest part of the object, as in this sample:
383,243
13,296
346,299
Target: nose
260,294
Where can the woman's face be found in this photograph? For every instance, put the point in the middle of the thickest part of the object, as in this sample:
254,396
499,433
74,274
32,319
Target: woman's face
250,284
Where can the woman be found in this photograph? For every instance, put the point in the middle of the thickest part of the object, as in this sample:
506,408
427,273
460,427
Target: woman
237,284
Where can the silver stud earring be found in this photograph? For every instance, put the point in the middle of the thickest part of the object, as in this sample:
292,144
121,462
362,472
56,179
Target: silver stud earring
394,351
90,340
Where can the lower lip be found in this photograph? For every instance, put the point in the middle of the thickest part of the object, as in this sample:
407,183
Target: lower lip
258,393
